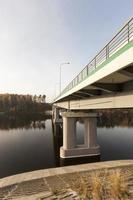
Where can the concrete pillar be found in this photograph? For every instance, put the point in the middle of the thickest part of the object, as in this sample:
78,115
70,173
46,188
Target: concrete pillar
56,120
90,131
56,113
90,147
69,133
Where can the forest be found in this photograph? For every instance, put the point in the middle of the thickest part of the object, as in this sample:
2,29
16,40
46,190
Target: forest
26,104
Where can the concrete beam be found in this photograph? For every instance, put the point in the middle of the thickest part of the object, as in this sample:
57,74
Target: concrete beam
128,86
107,87
78,114
119,100
77,96
126,73
85,93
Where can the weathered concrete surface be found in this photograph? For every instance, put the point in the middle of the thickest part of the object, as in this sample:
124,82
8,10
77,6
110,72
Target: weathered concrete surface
56,183
90,147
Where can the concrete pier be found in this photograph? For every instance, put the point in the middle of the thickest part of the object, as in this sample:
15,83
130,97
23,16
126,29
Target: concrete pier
56,119
90,146
55,115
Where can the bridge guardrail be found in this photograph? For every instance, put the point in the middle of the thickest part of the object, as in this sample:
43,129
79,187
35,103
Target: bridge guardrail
124,36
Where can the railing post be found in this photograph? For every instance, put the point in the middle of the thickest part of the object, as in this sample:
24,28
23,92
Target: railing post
128,34
95,62
81,75
77,79
107,51
87,69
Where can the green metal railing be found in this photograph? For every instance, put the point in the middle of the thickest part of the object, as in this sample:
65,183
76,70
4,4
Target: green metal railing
123,37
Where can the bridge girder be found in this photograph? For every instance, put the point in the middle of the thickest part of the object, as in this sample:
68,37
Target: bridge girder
117,100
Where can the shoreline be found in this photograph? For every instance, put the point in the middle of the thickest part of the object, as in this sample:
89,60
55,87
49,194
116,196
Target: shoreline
55,179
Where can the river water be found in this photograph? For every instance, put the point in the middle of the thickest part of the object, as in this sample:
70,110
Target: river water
32,146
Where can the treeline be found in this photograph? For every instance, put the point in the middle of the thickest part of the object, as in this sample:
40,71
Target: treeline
14,103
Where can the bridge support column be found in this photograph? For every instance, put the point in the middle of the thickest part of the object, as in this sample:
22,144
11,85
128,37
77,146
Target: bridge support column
56,120
69,133
90,146
90,131
55,114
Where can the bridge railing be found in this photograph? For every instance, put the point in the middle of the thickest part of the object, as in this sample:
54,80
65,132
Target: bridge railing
124,36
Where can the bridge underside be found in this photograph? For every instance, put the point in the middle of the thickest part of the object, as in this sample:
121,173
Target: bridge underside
112,91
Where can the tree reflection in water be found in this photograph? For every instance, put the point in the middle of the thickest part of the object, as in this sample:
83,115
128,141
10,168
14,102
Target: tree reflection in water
27,151
22,121
115,117
106,118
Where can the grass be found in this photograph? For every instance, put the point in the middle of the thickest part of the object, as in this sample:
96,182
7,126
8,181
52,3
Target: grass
112,184
119,188
102,185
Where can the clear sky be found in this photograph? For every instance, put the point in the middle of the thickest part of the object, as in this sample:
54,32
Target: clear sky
37,35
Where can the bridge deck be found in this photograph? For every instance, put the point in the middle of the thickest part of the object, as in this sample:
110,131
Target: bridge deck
110,72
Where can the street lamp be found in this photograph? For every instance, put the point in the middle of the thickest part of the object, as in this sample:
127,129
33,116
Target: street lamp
66,63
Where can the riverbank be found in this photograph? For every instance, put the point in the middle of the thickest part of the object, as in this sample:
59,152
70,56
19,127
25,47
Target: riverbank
104,180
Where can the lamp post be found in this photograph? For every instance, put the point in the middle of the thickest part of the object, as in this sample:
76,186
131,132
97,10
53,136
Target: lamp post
66,63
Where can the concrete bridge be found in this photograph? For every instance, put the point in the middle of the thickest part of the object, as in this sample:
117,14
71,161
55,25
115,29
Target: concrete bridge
106,82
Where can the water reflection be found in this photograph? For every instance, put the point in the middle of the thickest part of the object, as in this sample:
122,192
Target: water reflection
22,122
28,142
106,118
26,149
79,160
112,118
37,124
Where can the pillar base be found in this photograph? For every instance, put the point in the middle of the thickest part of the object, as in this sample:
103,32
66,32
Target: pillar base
79,151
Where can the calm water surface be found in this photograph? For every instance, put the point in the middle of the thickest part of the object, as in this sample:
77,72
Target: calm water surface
33,146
